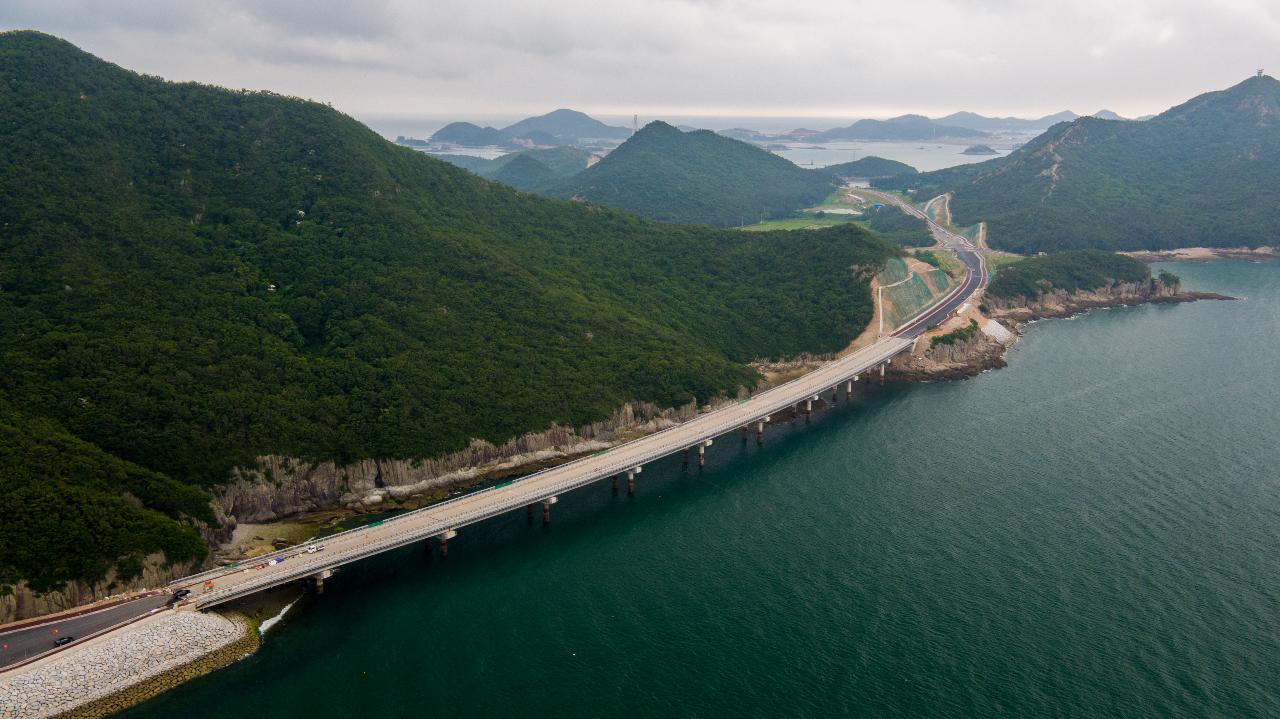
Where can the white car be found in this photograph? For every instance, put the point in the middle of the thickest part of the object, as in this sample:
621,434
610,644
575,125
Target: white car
313,548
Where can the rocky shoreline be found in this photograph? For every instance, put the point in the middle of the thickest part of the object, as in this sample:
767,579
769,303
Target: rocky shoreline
1083,302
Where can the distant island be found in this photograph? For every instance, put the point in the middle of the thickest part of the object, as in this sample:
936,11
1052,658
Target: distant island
905,127
559,127
1005,124
979,150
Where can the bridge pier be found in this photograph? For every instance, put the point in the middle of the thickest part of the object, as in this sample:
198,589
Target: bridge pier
744,429
684,456
702,453
317,582
882,366
631,480
546,509
444,538
835,393
808,407
528,511
760,430
615,484
848,389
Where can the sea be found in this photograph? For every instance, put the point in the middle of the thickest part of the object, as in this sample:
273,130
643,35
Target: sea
1092,531
922,155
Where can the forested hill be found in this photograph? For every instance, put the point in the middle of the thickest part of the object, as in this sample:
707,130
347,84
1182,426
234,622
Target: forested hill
1076,270
533,169
870,167
567,126
1203,173
696,177
191,277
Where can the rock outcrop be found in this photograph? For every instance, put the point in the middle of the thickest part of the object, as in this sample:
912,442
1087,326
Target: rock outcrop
280,486
1057,303
23,603
958,360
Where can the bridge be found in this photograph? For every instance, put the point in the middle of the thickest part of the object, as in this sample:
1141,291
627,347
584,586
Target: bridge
542,489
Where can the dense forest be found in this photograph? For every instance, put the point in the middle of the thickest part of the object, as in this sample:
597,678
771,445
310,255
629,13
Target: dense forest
893,225
192,277
870,167
1067,271
1203,173
697,177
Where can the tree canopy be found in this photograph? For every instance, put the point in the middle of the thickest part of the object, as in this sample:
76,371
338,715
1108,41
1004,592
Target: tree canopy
193,277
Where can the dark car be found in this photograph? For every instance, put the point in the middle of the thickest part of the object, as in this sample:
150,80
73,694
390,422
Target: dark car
179,595
63,641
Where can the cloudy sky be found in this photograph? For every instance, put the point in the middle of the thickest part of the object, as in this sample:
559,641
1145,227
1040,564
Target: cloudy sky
480,59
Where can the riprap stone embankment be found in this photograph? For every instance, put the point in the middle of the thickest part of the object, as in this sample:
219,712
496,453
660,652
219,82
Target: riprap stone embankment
126,667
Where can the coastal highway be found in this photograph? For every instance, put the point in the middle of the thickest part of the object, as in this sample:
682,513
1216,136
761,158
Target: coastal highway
231,582
975,268
25,642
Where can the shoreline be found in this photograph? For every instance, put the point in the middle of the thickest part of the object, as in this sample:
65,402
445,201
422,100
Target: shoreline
1205,254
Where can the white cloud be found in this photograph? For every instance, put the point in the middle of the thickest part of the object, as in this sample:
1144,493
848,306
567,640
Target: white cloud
760,57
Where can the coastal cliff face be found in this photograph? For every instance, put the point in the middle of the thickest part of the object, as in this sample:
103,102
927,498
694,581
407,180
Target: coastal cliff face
24,603
1057,303
279,487
959,360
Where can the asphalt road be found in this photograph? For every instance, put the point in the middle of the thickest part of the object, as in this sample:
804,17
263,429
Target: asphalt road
20,644
975,270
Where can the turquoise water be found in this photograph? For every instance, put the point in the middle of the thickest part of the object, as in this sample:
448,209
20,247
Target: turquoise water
1091,532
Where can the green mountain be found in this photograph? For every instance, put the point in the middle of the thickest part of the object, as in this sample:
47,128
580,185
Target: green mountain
696,177
558,127
906,127
526,174
1201,173
536,169
469,135
869,167
567,126
193,277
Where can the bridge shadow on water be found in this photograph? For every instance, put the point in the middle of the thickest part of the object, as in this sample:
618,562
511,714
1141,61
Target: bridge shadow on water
733,464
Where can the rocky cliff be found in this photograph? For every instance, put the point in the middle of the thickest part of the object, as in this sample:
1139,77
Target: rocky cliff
959,360
278,487
24,603
1057,303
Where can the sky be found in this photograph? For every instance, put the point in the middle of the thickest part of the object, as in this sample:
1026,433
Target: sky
480,59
